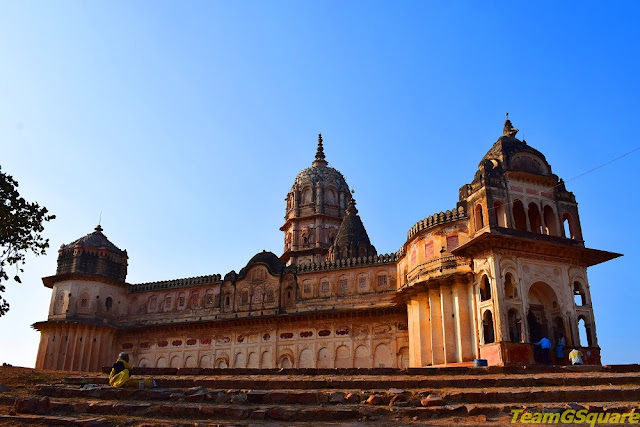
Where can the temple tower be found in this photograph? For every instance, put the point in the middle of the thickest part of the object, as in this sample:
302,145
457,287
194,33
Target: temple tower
88,298
352,240
529,257
316,205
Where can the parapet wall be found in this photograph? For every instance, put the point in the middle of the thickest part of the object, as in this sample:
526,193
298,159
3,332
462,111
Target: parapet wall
437,219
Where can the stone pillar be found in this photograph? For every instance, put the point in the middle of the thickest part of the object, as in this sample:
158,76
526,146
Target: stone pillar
419,330
296,201
319,198
80,358
449,332
69,348
42,349
463,321
437,338
57,350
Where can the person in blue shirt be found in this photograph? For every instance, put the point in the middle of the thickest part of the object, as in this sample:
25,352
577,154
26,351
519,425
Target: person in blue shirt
545,344
562,343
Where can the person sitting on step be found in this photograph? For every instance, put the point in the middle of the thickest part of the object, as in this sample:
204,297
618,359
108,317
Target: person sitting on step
120,375
575,356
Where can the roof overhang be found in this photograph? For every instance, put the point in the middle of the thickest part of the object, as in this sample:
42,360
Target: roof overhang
550,246
49,281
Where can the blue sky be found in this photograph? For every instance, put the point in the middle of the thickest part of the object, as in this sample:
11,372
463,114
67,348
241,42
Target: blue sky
185,124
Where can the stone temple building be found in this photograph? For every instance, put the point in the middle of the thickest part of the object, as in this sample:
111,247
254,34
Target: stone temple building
504,267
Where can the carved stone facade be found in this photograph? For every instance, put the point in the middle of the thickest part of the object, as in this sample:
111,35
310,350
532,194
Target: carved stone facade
486,279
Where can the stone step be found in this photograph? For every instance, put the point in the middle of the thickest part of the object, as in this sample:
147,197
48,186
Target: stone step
52,420
411,397
358,372
266,382
191,412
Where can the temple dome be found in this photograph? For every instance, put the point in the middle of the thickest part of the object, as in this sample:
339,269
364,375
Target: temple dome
320,172
510,153
96,240
266,258
93,254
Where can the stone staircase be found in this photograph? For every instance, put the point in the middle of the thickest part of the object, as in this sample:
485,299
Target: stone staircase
437,396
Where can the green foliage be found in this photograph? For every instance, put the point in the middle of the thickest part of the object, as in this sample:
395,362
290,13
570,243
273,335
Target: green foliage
21,223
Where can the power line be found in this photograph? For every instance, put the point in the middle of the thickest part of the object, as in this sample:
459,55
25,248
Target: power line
580,175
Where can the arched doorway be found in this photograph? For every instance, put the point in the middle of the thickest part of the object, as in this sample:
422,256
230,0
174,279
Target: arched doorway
544,317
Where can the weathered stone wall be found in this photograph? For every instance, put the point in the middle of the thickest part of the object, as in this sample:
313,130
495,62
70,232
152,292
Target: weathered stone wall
366,341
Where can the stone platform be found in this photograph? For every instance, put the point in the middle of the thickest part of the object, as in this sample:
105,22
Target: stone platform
429,396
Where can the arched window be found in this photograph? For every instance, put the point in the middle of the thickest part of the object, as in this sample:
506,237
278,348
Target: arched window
167,303
108,303
306,196
270,296
534,219
510,288
487,327
153,304
584,330
331,197
485,288
288,296
244,297
515,326
195,300
501,214
519,216
579,296
550,221
567,224
478,217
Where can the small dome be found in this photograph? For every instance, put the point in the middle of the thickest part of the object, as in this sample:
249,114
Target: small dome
268,259
93,254
95,240
510,153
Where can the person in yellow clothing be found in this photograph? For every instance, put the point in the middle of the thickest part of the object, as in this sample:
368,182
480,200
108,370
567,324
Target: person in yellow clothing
120,375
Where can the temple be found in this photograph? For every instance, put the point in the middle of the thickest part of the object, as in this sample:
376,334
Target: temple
485,280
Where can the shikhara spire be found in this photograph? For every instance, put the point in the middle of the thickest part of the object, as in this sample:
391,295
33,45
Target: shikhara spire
320,158
508,129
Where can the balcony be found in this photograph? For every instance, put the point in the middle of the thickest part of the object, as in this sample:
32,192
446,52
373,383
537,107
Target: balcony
437,268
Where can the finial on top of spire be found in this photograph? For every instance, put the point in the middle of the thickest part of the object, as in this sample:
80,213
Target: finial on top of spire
98,228
320,158
351,209
508,129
